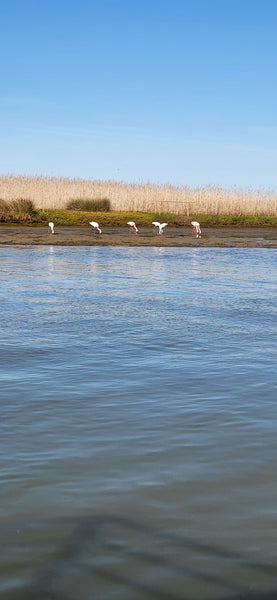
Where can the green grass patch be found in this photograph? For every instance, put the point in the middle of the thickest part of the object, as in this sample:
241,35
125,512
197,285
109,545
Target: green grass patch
108,219
120,218
235,221
16,213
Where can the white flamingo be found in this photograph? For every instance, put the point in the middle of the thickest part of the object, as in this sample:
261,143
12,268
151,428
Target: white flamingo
161,226
133,226
196,229
95,226
51,227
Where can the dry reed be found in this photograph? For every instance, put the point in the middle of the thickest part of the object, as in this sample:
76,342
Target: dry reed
54,192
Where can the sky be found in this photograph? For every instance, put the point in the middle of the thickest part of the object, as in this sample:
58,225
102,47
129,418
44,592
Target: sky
179,92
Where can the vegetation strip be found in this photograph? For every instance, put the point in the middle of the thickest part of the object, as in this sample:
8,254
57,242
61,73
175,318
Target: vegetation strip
25,213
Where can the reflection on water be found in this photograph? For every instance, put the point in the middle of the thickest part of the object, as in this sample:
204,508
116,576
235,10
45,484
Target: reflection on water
103,553
138,422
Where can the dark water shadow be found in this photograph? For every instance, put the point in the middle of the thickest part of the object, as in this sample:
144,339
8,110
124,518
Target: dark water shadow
95,556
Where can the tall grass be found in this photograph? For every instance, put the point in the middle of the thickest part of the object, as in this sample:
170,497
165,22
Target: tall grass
55,193
20,210
84,204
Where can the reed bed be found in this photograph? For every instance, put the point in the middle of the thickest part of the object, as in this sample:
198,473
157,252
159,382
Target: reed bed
56,193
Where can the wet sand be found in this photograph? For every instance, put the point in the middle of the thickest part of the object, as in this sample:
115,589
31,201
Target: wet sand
118,236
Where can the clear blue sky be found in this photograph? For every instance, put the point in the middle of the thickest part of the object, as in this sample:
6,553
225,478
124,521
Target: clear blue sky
167,91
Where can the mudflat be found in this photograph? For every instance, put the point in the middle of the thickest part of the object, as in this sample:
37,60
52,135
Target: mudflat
223,237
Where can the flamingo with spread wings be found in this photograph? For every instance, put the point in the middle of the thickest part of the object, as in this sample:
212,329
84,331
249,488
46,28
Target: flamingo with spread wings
161,226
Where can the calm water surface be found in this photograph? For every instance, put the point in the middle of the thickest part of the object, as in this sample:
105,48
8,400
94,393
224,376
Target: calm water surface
138,392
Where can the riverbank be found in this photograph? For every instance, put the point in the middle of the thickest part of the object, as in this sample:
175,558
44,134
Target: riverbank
223,237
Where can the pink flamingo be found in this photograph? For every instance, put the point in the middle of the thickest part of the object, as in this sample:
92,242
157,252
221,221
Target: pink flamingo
196,229
133,227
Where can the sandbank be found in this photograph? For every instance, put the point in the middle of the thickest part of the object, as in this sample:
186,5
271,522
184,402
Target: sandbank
222,237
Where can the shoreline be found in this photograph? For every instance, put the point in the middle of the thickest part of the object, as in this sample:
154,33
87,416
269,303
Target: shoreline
220,237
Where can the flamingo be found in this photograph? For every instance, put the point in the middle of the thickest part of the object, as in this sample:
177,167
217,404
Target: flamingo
95,226
51,227
196,229
133,226
161,226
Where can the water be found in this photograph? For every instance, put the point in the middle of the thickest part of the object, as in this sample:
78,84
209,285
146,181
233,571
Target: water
138,423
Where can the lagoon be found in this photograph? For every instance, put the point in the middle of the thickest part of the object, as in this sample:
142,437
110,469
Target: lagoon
138,393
